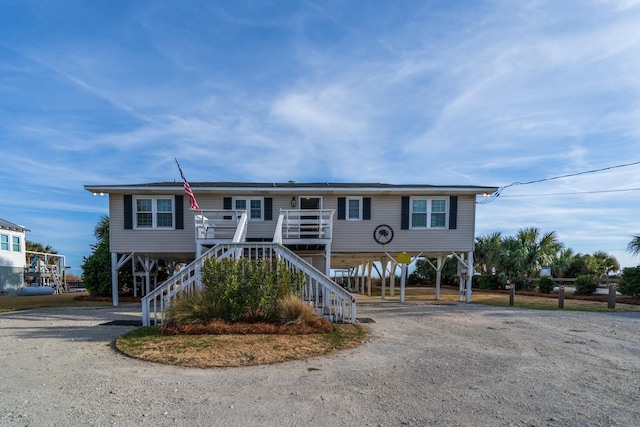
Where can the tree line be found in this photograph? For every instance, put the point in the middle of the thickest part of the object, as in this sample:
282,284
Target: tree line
519,259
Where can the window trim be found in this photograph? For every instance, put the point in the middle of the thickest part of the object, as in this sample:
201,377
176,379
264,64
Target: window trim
348,210
248,200
3,243
429,212
154,213
15,240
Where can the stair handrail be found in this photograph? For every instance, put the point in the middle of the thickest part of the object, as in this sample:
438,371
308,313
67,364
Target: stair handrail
333,301
241,230
344,303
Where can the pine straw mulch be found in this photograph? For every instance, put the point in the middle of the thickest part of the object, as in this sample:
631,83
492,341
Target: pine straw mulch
219,327
221,344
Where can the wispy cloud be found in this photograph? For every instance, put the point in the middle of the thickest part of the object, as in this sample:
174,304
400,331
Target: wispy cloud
487,93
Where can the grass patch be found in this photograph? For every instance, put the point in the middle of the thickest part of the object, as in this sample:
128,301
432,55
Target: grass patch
207,351
547,303
523,299
71,299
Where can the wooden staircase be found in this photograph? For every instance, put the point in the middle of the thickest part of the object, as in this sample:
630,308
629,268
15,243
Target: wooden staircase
330,299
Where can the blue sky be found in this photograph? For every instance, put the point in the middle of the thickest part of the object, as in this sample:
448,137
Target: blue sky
428,92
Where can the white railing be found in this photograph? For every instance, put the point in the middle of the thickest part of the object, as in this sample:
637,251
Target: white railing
332,301
218,224
304,224
241,230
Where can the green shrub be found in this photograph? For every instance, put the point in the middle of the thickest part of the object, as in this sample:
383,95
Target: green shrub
629,283
586,285
546,285
96,270
249,288
486,281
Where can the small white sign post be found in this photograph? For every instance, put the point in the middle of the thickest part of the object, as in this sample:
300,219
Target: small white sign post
404,259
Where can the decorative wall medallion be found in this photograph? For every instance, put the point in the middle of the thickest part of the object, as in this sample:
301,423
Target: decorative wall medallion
383,234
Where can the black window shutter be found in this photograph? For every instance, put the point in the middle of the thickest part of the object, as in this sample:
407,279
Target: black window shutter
268,209
366,208
342,207
227,203
404,220
179,202
128,212
453,212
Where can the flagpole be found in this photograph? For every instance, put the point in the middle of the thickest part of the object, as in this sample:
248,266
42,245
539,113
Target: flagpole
193,204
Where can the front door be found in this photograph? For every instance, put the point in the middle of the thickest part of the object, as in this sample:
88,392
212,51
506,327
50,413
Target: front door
310,224
311,203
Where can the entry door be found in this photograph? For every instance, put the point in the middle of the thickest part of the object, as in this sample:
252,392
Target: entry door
311,203
310,224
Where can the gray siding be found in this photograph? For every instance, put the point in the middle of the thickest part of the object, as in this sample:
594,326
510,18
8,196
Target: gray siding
348,236
155,241
357,236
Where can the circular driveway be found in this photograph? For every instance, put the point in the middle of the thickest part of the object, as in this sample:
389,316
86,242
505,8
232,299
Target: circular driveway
423,364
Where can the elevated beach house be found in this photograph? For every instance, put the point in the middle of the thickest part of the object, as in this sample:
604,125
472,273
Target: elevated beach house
318,228
12,257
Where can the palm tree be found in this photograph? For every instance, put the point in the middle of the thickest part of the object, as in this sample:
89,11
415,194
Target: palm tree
634,245
537,250
102,229
485,251
602,263
561,264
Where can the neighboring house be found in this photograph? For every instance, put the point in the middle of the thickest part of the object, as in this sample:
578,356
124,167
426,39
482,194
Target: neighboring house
12,257
330,225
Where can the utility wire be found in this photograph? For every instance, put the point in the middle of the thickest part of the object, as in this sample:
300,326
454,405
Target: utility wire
493,196
574,193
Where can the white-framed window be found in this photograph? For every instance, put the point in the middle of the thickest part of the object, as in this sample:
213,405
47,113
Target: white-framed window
154,212
15,243
4,242
254,207
428,212
354,209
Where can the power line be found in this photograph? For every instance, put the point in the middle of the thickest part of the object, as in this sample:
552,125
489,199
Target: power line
493,196
574,193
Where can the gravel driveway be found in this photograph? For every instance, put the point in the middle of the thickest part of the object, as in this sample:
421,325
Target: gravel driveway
424,364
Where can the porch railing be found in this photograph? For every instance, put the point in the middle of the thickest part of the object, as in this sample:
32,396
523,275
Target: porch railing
304,224
219,224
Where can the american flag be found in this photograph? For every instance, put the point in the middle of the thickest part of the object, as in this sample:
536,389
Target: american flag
187,188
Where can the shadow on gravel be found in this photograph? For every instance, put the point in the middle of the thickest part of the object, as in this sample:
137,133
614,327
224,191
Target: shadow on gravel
76,324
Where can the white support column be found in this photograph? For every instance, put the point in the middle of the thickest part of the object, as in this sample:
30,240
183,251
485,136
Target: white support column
392,278
114,279
327,260
438,277
461,283
370,264
469,275
383,277
135,279
403,281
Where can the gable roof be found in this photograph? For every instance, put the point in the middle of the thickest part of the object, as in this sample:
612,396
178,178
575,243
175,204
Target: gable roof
11,226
